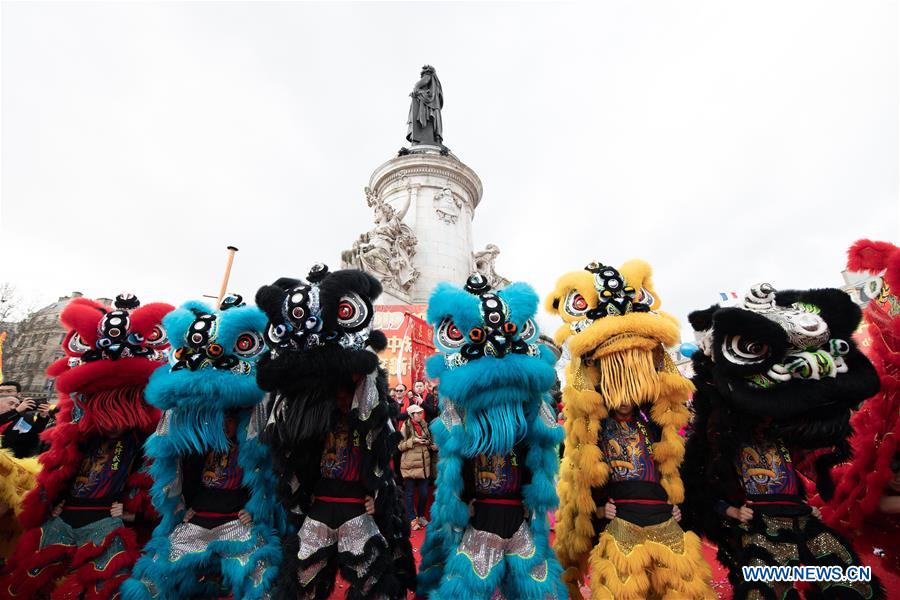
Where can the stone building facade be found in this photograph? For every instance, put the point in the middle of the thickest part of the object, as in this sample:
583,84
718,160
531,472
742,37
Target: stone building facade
33,344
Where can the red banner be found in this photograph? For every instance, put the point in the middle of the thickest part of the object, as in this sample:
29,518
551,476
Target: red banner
409,341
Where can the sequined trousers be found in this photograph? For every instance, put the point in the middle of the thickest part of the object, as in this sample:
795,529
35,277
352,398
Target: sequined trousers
356,547
788,541
490,567
195,561
631,562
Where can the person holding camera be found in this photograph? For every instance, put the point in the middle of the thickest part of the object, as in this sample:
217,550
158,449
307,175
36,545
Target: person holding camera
23,437
22,420
11,406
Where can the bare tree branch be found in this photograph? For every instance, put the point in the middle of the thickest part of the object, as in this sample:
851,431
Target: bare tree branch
13,307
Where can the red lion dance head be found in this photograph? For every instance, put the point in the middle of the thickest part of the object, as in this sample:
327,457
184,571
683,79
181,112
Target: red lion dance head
862,482
110,355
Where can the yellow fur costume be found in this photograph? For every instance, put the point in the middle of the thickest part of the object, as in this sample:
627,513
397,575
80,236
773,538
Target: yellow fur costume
617,341
17,477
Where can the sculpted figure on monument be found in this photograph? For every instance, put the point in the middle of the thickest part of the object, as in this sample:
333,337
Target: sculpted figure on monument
447,205
484,263
424,125
405,274
386,250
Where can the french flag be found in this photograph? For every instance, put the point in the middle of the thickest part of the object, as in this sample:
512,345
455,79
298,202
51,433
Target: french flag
726,296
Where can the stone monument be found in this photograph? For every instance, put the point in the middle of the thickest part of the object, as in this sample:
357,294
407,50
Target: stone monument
424,200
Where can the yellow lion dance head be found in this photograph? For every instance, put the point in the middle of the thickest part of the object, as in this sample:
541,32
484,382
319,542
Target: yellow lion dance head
617,339
615,333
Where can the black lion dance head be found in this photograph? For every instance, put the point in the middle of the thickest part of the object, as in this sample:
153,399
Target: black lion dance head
322,343
787,357
782,362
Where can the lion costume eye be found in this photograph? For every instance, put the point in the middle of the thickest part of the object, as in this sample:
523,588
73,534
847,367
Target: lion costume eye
529,332
871,290
449,334
248,344
576,304
157,337
275,334
78,345
645,297
742,351
352,312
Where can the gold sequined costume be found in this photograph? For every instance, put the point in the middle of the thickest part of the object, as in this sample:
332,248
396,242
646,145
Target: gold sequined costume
617,337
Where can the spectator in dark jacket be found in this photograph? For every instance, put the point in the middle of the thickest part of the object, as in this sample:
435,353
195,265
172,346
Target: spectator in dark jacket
11,406
23,436
399,394
425,399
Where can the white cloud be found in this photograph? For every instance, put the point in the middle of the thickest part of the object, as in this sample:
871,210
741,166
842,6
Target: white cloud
726,143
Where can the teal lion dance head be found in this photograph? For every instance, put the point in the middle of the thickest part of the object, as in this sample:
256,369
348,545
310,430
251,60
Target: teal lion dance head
491,365
212,366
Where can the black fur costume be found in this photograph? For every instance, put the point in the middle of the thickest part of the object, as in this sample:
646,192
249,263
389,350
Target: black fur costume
322,350
776,381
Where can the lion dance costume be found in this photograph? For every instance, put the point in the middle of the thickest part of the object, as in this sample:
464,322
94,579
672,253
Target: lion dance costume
95,458
332,438
866,501
498,440
616,338
207,457
776,380
17,477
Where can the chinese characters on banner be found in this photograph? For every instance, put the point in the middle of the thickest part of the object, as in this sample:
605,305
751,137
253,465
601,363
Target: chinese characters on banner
409,341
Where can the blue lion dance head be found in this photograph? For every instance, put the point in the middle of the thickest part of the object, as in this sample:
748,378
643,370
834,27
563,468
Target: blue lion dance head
212,368
491,363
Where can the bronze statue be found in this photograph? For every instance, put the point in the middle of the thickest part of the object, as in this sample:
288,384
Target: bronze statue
424,125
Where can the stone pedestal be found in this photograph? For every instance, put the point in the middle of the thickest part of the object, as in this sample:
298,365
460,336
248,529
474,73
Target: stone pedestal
443,194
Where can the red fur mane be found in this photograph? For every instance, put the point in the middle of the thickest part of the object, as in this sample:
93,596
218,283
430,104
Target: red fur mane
876,426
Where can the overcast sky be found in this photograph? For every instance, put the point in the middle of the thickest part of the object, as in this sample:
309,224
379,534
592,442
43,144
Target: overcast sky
727,143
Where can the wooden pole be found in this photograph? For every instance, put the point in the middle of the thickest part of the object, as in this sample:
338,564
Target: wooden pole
231,252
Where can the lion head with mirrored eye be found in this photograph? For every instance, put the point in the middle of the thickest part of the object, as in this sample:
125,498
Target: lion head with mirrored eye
127,340
782,354
229,339
611,312
493,368
328,308
214,359
477,322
